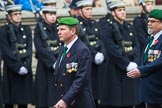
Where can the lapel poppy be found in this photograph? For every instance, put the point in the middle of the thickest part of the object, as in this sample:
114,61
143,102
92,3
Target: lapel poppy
68,55
155,42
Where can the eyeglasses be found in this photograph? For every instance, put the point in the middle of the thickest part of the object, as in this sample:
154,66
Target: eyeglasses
16,14
153,21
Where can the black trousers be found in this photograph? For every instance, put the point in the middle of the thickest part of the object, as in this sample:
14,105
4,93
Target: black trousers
147,105
154,105
141,105
11,106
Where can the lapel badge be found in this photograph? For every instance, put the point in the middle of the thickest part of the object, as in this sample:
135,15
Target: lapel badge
153,55
72,67
69,67
155,42
68,55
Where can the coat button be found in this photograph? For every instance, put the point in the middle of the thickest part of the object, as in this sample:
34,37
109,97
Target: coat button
62,95
54,73
22,29
24,36
61,85
55,84
63,74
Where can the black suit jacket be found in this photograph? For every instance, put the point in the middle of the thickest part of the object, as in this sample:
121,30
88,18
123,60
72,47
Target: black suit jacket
151,83
72,77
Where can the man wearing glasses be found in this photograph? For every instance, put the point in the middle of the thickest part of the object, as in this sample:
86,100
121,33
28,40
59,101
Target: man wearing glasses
151,71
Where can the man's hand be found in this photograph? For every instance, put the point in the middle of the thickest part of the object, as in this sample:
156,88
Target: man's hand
60,104
134,73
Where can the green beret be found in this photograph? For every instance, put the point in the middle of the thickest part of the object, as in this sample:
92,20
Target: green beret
156,13
68,21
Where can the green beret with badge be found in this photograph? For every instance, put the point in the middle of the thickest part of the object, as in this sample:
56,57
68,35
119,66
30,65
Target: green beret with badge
70,21
156,13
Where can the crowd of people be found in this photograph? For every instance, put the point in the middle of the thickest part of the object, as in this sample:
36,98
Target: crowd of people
81,62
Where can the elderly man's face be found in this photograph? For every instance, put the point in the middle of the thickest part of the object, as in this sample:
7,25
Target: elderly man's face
154,25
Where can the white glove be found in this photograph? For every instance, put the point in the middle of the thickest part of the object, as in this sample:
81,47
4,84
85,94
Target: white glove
131,66
99,58
23,71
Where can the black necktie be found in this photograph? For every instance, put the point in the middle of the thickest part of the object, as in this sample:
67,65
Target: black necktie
148,47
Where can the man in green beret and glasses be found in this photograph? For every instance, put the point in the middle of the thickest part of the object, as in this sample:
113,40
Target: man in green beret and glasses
150,71
72,68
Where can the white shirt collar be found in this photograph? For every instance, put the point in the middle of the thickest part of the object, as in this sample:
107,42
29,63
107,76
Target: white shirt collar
157,35
70,44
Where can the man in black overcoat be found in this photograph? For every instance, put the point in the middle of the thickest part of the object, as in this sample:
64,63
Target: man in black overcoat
16,46
93,41
47,47
140,22
119,38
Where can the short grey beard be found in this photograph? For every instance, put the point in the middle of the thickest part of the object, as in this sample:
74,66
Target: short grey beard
149,31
